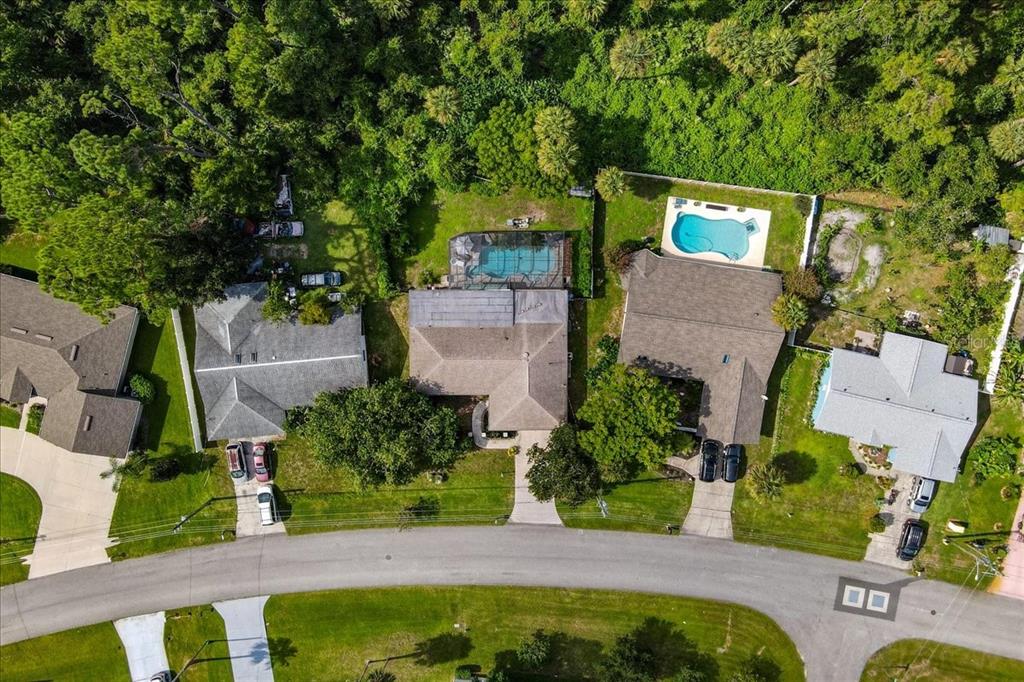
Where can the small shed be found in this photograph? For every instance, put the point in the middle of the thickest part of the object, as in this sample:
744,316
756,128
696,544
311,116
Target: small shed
992,235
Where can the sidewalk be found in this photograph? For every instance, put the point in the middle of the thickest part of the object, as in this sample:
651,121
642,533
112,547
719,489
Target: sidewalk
1011,584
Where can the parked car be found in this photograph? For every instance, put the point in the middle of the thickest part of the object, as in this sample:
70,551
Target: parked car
164,676
710,450
273,229
922,494
283,206
267,504
911,540
322,279
731,462
236,460
261,462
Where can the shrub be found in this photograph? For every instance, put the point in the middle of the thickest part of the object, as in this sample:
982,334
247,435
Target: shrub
164,469
611,183
876,524
142,388
995,457
276,307
607,354
1010,491
803,203
315,307
428,278
766,481
534,651
620,256
35,419
850,470
789,312
802,283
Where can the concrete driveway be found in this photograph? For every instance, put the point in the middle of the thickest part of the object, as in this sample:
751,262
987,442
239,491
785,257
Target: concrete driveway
882,547
710,511
143,638
1011,584
247,638
527,508
248,521
77,503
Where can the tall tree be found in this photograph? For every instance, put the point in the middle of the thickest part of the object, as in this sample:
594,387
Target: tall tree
443,104
816,69
633,54
1007,140
562,470
957,57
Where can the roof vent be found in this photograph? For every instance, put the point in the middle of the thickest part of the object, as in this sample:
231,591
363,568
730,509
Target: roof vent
88,422
252,358
44,337
725,359
19,330
74,352
238,358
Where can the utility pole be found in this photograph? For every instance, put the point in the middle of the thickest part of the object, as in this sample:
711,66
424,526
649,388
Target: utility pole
192,660
983,565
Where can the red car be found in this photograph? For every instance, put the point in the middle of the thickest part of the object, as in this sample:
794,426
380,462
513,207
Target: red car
261,462
236,461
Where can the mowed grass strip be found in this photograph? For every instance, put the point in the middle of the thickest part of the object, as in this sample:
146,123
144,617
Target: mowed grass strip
79,655
185,633
917,659
314,497
647,504
331,635
19,524
820,510
9,417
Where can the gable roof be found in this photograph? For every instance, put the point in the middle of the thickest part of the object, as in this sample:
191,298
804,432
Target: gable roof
279,365
50,348
695,320
904,399
508,345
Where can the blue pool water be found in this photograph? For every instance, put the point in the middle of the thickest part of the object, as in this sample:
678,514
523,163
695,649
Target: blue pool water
726,236
819,404
502,262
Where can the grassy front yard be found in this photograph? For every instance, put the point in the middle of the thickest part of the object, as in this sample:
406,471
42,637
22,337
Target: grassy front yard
83,654
184,634
19,523
331,635
146,511
820,510
917,659
646,504
315,498
9,417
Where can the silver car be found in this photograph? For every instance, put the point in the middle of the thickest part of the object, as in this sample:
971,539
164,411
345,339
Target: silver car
922,494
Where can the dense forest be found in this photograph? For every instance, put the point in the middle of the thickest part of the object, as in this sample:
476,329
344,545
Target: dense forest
134,130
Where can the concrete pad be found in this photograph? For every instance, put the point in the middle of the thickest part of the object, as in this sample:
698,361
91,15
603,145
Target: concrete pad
247,522
882,546
77,503
710,511
247,638
143,638
527,508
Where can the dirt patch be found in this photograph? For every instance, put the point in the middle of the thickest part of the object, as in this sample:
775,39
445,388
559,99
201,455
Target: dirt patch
284,251
844,255
874,256
535,212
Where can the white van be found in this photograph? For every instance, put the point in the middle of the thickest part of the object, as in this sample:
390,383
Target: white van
922,494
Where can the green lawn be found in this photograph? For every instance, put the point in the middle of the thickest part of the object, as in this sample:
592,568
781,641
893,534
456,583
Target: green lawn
441,215
81,655
9,416
917,659
640,212
19,249
19,523
314,498
648,504
333,239
820,510
146,511
330,635
988,515
386,324
184,634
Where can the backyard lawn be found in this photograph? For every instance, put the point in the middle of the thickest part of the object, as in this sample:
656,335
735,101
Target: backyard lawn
19,249
917,659
386,324
331,635
820,510
9,417
146,511
184,634
19,523
81,655
315,498
647,504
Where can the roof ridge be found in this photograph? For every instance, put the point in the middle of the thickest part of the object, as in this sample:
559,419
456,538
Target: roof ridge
705,322
903,406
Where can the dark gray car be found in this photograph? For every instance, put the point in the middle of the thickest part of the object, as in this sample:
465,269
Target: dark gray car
710,453
731,462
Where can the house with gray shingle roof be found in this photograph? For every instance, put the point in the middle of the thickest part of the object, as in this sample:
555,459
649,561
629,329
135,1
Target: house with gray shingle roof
688,319
250,371
508,345
49,348
903,399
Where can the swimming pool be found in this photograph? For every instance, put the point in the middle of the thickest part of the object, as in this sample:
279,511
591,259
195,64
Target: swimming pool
819,403
728,237
503,262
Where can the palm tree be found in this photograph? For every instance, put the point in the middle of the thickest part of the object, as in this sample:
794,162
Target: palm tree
1007,141
789,312
443,104
1011,76
611,183
816,69
1010,380
392,9
957,57
554,124
772,53
381,676
557,159
726,40
589,11
632,55
131,466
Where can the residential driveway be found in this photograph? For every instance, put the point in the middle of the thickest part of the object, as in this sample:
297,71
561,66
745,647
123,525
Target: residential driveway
1011,584
77,503
882,546
143,638
247,638
710,511
528,509
248,522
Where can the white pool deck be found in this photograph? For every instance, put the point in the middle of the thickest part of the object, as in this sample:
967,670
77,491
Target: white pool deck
758,242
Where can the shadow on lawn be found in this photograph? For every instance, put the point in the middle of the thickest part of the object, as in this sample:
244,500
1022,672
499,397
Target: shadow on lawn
154,415
796,467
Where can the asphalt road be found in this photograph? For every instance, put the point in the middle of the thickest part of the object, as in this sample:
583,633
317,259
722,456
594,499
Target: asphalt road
797,590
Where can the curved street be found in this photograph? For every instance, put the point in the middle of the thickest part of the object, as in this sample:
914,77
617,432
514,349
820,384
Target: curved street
798,590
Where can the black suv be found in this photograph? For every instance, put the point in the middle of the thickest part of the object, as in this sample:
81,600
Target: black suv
911,540
710,450
731,462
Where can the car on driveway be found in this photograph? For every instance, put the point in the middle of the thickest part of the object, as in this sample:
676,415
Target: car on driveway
236,461
911,540
710,451
267,505
731,462
272,229
922,494
322,279
261,462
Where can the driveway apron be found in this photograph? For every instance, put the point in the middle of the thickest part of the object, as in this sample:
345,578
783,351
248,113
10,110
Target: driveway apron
143,638
528,509
710,513
247,638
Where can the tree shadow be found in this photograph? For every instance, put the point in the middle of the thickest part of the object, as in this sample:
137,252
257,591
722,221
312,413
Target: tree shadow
671,650
570,658
796,467
580,358
281,650
761,668
442,649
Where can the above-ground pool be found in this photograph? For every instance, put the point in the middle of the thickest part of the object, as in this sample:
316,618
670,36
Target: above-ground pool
725,236
503,262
